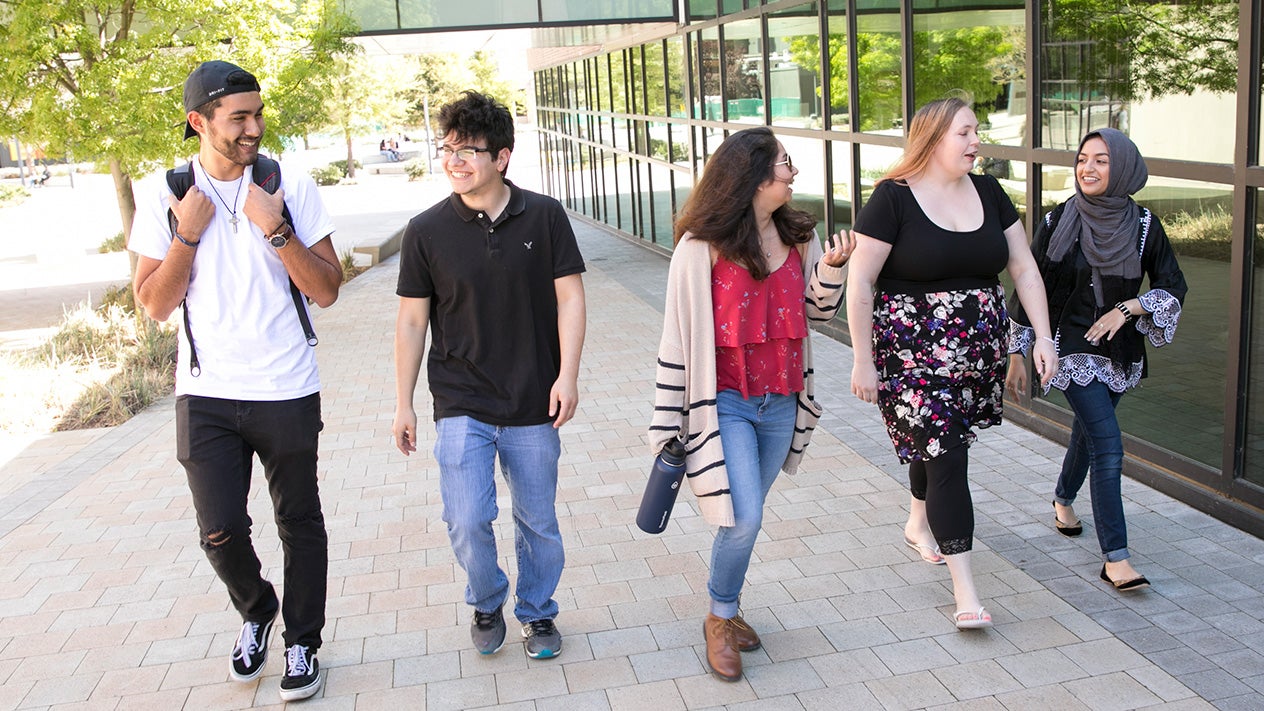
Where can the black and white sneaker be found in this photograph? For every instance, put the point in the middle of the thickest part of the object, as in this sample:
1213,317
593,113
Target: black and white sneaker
487,631
251,650
302,674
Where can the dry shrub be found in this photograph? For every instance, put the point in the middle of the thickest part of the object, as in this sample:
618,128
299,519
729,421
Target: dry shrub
99,369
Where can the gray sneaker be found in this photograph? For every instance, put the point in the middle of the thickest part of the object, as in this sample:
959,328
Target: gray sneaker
543,639
487,629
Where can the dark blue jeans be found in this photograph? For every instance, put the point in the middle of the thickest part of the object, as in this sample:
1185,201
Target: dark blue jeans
216,441
1096,445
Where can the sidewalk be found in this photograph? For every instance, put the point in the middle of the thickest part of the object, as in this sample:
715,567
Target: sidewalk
108,603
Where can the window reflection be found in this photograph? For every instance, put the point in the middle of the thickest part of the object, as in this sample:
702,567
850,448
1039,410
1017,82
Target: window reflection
701,9
980,53
839,92
635,82
874,162
1253,469
603,83
660,196
618,84
794,67
1012,175
809,184
881,74
1164,73
840,184
708,96
674,63
743,73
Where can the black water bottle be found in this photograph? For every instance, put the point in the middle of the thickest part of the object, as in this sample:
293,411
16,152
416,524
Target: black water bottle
660,491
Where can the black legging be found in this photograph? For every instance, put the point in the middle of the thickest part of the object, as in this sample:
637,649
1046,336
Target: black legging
942,483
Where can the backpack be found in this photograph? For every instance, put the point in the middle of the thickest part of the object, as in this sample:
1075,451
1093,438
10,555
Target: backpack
267,175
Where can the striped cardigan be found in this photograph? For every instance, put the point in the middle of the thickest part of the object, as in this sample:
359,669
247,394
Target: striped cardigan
684,398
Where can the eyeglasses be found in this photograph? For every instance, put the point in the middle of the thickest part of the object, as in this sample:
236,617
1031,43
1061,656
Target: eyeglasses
465,154
785,162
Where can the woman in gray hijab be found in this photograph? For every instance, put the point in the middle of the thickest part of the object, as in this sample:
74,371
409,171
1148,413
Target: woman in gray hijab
1093,251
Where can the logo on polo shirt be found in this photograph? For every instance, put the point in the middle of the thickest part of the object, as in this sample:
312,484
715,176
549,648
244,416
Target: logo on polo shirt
528,244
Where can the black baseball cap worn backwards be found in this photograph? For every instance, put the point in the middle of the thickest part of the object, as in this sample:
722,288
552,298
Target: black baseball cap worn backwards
212,80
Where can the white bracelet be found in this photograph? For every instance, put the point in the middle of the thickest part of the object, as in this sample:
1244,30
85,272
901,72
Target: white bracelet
1046,338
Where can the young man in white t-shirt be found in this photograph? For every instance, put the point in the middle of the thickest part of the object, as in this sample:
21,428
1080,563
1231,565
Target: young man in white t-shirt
246,380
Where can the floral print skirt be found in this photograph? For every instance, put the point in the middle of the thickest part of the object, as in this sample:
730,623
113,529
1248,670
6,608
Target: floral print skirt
941,367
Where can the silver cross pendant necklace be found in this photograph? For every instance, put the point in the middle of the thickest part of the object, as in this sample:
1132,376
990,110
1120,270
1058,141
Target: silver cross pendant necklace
231,210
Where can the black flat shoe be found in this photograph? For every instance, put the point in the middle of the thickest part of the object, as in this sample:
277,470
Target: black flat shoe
1134,584
1067,529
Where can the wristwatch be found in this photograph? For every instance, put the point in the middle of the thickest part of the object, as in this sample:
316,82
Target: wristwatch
281,236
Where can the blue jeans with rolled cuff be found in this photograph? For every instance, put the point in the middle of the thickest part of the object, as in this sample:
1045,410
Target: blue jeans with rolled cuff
1096,447
756,435
466,450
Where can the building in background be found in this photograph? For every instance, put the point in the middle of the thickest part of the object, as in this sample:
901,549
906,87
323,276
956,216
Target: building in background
631,96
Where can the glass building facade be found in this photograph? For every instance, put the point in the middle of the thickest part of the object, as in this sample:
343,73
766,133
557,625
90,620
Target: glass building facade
626,132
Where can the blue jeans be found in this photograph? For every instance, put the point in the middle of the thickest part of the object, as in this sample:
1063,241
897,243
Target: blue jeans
1096,444
466,450
755,434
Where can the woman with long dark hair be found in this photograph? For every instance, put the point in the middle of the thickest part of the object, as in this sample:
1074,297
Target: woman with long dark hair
1093,250
734,375
927,319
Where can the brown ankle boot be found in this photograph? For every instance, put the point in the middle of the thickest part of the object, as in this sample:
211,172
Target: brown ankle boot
722,654
744,636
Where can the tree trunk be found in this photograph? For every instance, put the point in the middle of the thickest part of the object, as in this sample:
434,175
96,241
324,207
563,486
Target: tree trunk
126,203
350,154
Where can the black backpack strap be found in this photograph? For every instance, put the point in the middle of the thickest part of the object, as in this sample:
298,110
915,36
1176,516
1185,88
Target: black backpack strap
179,180
267,175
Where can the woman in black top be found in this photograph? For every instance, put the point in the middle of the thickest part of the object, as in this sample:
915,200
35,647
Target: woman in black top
930,348
1093,250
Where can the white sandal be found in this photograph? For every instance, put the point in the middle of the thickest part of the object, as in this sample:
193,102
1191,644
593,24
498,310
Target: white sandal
972,619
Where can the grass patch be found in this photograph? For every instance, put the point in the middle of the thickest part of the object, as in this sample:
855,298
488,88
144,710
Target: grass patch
1206,235
349,268
100,367
117,243
11,195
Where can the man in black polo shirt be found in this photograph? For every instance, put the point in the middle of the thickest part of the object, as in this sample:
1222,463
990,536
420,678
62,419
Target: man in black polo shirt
494,272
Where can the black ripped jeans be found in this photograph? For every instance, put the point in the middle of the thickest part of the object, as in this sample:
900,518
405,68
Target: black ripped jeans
216,441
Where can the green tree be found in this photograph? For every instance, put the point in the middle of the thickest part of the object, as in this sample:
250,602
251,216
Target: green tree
437,79
441,77
361,97
487,79
1164,49
972,59
103,79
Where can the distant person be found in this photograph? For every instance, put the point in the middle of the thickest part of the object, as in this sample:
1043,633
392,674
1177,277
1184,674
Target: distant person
240,261
927,319
384,147
1093,251
735,375
494,272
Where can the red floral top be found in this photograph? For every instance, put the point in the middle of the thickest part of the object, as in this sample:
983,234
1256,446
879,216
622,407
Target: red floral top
759,328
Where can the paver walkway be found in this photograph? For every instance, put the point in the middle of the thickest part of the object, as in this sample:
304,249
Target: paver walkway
106,600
